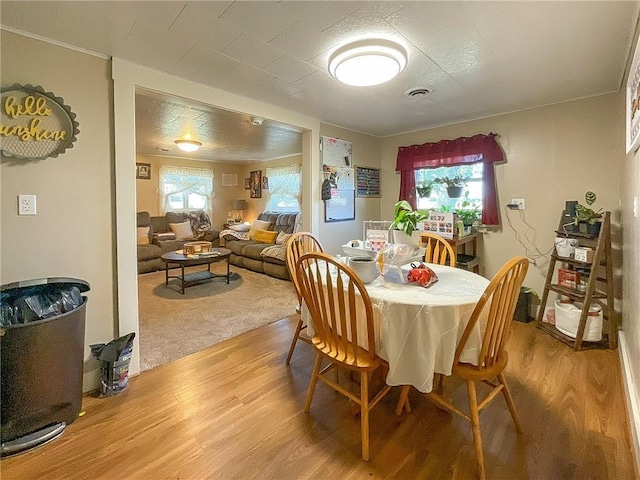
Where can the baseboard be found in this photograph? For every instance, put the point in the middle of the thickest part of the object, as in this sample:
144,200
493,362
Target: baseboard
633,403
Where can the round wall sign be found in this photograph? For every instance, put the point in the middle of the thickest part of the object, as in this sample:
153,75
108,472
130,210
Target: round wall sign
35,124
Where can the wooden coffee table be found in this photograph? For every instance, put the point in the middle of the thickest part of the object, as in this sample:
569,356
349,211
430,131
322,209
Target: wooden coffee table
190,279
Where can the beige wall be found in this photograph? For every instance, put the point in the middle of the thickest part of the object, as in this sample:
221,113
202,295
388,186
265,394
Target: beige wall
72,235
147,190
255,206
366,153
553,154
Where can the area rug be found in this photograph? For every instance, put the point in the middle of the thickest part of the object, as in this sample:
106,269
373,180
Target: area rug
174,325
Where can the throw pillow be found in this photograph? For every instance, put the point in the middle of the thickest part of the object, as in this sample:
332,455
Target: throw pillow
265,236
182,230
143,235
283,238
200,224
258,225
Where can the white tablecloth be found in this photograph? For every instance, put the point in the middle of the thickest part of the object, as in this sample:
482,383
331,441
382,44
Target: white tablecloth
417,329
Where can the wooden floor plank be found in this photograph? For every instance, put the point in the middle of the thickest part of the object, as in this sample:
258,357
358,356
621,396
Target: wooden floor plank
235,411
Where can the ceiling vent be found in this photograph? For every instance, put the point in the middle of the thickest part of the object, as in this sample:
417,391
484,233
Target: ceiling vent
417,92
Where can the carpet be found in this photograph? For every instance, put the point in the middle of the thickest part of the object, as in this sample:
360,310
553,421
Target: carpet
174,325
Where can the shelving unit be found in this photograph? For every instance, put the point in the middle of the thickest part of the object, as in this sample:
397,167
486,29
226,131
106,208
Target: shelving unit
599,289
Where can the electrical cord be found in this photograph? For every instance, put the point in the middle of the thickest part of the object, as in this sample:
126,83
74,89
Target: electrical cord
533,253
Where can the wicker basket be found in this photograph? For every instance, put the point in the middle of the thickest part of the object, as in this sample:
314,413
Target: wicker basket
191,248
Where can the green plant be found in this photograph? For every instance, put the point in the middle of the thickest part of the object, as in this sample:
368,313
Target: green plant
406,218
468,216
424,189
458,180
586,214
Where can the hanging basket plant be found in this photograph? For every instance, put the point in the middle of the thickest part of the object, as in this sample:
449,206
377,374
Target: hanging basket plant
424,191
453,185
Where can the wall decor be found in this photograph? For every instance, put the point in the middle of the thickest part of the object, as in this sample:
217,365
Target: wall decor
256,184
633,102
265,183
229,180
143,171
247,183
35,124
367,182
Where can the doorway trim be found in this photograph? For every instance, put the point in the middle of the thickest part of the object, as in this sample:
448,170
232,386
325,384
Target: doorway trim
127,77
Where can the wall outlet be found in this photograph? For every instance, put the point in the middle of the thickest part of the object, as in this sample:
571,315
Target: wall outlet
519,202
26,204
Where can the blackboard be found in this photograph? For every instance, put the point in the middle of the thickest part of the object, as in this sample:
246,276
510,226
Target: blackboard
342,206
367,182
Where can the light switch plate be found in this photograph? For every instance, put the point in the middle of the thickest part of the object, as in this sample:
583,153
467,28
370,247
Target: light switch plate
26,204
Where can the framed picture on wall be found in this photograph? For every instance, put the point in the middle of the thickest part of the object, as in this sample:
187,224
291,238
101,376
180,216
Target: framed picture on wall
633,102
143,171
229,179
255,179
247,183
265,183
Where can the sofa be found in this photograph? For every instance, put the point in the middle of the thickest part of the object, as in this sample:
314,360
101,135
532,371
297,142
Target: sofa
264,257
160,239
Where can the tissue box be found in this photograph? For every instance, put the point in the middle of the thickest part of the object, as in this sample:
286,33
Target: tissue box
583,254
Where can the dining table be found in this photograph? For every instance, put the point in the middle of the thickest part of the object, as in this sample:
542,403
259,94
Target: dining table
417,329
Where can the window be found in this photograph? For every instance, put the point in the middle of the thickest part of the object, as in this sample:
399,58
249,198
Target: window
183,189
439,200
284,188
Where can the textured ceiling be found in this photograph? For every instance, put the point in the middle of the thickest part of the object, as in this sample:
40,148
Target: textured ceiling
478,58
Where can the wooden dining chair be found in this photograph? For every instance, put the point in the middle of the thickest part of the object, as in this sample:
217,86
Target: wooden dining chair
298,244
499,302
342,317
438,251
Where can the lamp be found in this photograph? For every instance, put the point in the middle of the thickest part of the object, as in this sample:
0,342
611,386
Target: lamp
367,62
239,205
188,145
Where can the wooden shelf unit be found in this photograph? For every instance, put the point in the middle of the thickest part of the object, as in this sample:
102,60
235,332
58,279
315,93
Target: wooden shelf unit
467,260
594,293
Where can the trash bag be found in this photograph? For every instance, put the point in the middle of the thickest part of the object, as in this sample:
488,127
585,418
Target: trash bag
115,357
38,303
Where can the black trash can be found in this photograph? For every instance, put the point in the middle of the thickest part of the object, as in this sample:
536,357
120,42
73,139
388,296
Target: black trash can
523,306
42,325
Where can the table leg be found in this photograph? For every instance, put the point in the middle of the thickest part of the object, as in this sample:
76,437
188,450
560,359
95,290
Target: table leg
182,278
166,274
228,272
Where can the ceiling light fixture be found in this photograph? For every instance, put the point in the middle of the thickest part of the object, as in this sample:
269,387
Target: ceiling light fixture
367,62
257,121
188,145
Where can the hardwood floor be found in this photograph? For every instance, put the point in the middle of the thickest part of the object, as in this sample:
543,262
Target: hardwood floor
235,411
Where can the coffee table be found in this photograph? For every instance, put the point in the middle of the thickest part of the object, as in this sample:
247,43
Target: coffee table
187,280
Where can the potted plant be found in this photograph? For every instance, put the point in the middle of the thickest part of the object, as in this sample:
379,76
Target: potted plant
454,185
468,212
406,222
587,216
424,189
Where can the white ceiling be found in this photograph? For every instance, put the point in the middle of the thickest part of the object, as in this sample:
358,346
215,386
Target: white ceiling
478,58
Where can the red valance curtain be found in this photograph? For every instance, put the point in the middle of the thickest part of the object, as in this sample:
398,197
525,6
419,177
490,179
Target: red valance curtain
449,153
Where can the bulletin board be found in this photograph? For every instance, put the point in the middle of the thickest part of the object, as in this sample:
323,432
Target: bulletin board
367,182
341,207
335,152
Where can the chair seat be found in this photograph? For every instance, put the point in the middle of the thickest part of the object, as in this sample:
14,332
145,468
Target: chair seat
362,360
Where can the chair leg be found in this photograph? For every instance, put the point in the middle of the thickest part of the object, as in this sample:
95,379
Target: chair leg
510,404
404,399
364,414
294,340
312,385
475,426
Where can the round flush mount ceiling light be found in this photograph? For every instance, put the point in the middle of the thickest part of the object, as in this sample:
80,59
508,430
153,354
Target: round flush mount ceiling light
257,121
367,62
188,145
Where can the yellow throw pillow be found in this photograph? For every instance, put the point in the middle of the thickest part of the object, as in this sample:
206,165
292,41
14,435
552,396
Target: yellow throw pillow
265,236
182,230
143,235
258,225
